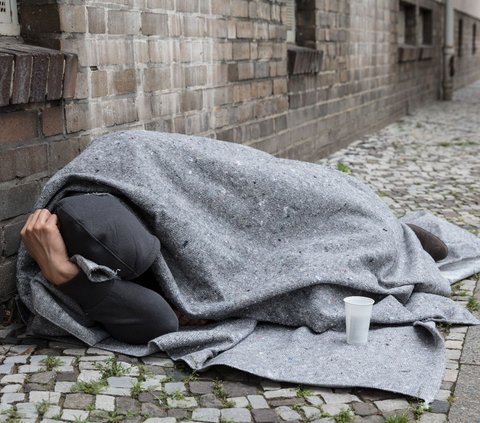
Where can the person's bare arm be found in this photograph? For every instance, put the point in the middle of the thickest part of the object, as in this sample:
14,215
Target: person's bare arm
45,244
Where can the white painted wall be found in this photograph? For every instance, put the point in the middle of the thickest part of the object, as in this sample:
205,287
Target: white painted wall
470,7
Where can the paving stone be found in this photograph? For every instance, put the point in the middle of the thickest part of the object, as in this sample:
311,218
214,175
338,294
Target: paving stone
392,405
67,377
52,411
152,410
157,361
311,412
210,401
16,359
337,398
239,389
369,419
239,402
43,377
12,388
265,415
74,351
238,415
178,413
30,368
201,387
286,413
121,381
439,406
161,420
94,358
73,415
314,400
187,402
99,351
206,415
257,401
364,409
466,407
286,401
126,404
280,393
6,368
118,392
89,376
11,397
16,378
146,397
27,409
270,385
153,382
171,387
78,401
39,396
433,418
334,409
104,402
63,386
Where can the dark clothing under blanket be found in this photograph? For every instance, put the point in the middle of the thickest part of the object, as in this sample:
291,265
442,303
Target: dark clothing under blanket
102,229
267,248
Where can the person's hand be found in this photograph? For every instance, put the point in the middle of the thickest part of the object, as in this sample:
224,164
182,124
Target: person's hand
45,244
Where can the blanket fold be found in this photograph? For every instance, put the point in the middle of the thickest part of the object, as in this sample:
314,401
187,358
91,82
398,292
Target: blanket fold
268,248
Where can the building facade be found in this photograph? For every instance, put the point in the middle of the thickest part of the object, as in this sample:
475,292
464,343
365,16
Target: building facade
298,79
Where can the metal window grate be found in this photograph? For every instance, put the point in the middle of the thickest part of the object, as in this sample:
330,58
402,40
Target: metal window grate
290,22
5,14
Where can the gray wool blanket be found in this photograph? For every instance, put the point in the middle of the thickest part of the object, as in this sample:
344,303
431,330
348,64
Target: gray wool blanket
268,248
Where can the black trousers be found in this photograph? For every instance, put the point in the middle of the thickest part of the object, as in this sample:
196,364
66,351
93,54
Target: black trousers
128,310
101,228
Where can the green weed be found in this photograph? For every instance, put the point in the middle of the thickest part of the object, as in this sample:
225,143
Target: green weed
397,419
42,407
345,416
342,167
303,392
94,387
472,304
50,362
419,409
111,367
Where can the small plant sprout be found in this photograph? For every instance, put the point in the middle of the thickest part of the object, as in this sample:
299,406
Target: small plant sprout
472,304
94,387
419,409
397,419
12,415
50,362
136,389
42,407
303,392
342,167
112,367
345,416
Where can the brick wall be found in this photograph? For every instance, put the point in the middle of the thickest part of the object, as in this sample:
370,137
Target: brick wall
212,67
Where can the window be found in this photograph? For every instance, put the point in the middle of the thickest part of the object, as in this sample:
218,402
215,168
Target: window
8,18
460,37
406,27
426,26
291,24
474,39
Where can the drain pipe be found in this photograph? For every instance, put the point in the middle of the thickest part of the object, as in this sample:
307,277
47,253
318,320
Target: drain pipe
448,52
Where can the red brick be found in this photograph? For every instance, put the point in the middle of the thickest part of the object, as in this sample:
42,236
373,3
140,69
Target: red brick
53,121
7,168
55,76
18,126
154,24
6,65
125,81
96,20
77,117
22,77
99,83
18,199
70,75
62,152
30,160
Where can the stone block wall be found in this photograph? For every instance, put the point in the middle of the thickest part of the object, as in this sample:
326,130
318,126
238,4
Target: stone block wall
467,56
218,68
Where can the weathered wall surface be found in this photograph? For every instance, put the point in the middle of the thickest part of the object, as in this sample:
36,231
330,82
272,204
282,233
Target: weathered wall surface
217,68
467,50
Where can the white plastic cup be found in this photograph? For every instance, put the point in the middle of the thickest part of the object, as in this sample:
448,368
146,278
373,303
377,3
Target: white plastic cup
358,311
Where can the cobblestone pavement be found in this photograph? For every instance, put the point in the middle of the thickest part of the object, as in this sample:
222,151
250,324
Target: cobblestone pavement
429,160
